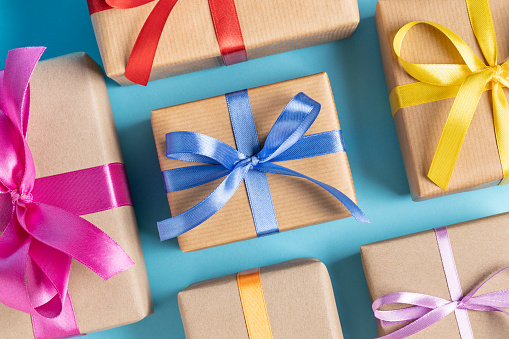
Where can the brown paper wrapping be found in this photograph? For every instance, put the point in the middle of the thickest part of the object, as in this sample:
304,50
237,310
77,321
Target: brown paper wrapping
71,127
297,202
189,43
413,264
298,295
419,127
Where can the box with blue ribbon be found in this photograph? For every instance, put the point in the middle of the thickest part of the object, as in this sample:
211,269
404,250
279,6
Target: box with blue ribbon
253,163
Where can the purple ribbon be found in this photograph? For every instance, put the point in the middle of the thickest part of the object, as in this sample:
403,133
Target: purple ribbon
429,309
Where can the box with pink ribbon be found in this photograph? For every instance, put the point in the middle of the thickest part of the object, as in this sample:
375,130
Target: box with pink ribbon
144,40
450,282
71,261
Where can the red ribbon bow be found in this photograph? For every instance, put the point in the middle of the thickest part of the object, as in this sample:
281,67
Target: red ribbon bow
139,65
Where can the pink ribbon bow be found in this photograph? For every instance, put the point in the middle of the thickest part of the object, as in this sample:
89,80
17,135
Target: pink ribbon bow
428,310
38,244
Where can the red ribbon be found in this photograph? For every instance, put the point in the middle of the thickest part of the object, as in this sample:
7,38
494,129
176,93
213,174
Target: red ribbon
139,66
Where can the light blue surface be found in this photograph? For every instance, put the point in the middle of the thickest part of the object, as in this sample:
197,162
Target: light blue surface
357,79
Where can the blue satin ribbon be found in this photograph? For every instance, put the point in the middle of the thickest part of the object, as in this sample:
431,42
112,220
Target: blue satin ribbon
249,163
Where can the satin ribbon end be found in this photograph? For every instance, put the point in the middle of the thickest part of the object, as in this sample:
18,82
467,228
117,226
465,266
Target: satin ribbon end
363,219
440,181
127,264
135,77
504,181
165,232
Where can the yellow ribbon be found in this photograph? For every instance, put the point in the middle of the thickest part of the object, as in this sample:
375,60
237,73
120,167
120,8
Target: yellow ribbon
466,82
253,304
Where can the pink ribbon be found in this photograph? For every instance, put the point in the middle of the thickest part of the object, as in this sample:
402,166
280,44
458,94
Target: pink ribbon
45,233
429,309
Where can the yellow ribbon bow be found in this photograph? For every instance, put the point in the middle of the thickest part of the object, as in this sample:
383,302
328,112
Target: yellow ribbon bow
466,82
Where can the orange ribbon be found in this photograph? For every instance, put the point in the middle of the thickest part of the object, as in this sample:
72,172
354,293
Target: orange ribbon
253,304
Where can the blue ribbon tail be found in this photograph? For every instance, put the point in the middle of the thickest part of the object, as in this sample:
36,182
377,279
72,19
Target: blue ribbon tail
177,225
346,201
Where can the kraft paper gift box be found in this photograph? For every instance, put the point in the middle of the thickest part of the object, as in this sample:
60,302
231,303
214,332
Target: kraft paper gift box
419,127
298,297
71,127
188,42
413,263
297,202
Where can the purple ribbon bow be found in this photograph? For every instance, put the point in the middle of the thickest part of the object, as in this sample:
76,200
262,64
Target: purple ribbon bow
429,309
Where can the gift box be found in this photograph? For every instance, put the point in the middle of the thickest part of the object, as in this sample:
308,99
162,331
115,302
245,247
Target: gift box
72,138
293,299
431,111
445,268
200,34
272,202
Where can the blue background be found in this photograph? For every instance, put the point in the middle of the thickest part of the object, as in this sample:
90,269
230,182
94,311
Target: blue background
355,70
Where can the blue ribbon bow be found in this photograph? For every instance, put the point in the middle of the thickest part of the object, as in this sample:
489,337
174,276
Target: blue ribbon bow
285,141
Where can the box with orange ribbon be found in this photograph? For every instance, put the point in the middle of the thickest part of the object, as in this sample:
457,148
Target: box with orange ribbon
252,163
71,261
144,40
451,282
446,66
293,299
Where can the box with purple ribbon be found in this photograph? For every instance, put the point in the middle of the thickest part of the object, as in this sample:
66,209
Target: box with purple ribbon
70,256
450,282
252,163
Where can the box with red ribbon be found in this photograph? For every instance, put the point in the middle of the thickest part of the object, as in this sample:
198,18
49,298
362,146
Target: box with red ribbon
293,299
447,68
70,255
143,40
451,282
252,163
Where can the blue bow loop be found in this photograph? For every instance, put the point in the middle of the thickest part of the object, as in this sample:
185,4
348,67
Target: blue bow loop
289,128
285,141
196,147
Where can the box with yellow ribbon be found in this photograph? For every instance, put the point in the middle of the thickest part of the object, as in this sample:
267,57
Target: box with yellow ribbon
446,74
293,299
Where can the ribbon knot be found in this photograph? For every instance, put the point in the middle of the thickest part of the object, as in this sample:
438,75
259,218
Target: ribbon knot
462,304
500,76
466,82
251,162
254,161
16,197
498,71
